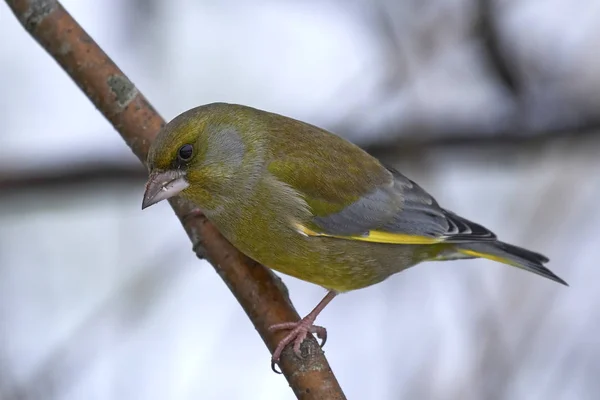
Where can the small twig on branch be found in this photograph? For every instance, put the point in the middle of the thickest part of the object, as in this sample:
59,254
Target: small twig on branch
258,291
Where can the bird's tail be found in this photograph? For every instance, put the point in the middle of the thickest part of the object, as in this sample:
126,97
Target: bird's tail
511,255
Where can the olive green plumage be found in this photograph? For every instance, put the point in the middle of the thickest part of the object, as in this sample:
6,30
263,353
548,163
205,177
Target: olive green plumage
310,204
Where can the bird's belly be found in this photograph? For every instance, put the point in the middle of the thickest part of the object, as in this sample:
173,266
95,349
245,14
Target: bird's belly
336,264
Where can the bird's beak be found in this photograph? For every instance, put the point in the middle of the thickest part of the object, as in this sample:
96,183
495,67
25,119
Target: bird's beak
162,185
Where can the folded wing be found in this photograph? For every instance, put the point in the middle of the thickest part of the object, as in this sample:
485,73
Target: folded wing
400,212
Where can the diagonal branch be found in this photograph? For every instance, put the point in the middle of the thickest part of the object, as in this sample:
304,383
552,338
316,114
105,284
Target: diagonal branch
260,293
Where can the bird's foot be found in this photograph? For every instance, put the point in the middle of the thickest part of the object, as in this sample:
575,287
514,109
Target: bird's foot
298,332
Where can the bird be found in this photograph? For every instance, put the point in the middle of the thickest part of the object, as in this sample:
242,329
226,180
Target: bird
310,204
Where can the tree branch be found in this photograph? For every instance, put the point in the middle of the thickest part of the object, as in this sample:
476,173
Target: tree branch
260,293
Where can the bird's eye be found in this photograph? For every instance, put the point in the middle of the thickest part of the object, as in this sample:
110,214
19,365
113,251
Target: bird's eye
185,152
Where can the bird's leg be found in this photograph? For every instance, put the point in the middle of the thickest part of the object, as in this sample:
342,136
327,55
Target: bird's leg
299,330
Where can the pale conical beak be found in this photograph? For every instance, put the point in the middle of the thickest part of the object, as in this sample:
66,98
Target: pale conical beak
162,185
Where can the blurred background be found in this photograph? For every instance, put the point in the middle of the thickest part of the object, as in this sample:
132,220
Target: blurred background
492,105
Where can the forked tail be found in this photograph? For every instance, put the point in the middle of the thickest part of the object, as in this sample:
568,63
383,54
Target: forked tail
511,255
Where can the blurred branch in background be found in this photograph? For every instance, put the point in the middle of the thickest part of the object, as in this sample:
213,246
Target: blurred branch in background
512,141
118,172
486,28
259,292
458,71
98,172
124,310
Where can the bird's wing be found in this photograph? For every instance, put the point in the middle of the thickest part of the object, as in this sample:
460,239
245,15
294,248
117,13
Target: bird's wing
380,205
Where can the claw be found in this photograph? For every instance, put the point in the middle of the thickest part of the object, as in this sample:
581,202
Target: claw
321,334
274,365
298,333
299,330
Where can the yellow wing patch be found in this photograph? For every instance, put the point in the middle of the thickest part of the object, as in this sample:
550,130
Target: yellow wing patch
489,257
397,238
375,237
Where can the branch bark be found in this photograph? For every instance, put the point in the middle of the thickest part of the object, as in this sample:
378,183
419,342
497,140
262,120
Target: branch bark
261,294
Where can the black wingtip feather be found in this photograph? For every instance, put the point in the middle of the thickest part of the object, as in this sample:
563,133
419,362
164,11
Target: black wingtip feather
468,230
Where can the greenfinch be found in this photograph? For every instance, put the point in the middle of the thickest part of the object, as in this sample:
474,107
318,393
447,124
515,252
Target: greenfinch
310,204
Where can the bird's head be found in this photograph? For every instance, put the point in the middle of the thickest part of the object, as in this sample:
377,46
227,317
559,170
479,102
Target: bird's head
202,154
